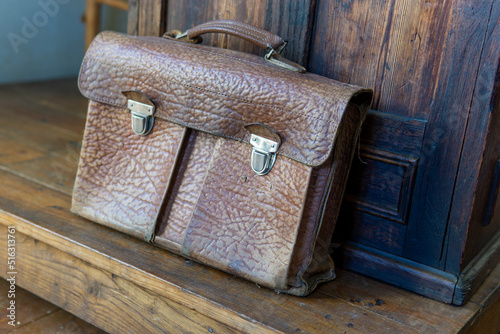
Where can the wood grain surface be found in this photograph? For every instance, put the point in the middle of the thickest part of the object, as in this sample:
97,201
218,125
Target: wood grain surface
119,283
414,56
35,315
481,150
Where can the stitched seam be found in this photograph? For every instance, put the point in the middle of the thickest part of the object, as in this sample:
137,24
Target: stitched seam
250,29
255,34
238,98
238,59
225,56
274,67
251,102
189,125
251,34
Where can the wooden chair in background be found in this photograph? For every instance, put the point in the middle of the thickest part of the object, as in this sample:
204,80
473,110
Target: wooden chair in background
93,14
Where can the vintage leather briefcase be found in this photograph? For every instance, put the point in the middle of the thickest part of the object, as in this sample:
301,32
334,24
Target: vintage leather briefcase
230,159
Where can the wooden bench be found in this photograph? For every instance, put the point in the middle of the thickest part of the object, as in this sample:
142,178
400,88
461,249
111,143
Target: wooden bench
121,284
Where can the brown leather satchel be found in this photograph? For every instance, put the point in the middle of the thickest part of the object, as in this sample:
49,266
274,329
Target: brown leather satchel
230,159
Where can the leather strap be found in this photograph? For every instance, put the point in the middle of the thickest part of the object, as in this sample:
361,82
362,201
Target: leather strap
257,36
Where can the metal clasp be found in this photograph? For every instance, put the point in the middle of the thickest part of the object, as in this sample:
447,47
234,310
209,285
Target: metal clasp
275,57
142,117
182,36
263,154
265,143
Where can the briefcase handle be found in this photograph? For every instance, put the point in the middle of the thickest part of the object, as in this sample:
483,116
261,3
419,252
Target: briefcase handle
260,37
255,35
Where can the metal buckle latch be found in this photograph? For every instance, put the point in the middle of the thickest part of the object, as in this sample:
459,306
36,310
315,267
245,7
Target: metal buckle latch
263,154
275,57
265,143
142,118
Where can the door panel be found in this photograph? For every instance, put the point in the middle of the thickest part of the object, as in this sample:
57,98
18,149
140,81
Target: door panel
380,186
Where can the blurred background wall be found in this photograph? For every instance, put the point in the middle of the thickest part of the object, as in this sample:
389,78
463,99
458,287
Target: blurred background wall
44,39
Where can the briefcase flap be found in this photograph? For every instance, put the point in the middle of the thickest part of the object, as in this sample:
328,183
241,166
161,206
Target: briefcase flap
219,91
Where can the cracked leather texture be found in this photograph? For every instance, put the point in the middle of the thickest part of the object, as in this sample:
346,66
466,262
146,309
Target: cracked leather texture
229,231
186,190
122,177
190,181
219,91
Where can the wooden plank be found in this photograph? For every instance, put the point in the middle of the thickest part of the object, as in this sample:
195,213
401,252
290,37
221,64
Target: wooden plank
56,170
133,17
405,137
12,152
481,149
47,152
57,95
151,17
291,20
400,272
477,270
92,20
34,314
480,315
39,134
43,140
92,293
54,106
487,319
417,312
29,307
62,122
235,302
357,304
59,322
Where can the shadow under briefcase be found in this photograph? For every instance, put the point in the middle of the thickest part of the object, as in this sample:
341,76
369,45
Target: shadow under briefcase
230,159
